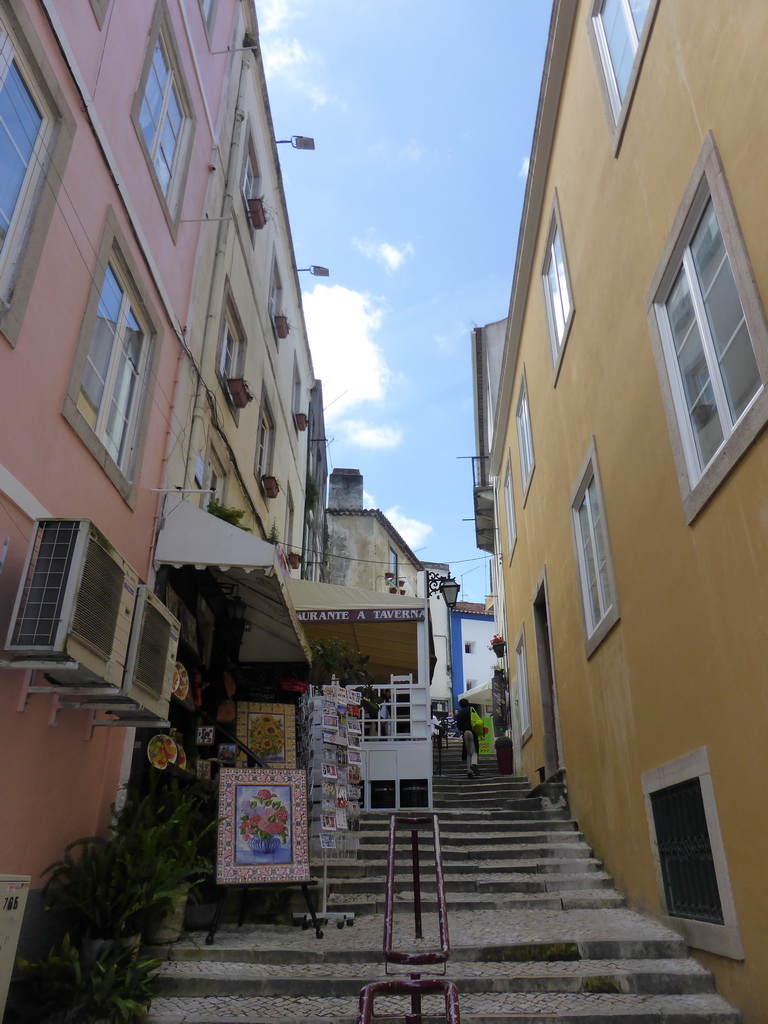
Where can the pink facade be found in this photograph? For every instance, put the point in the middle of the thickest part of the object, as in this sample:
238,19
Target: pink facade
96,271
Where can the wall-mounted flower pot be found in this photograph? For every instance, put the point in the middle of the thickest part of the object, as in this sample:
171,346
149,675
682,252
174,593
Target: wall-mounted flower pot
499,649
256,212
393,590
504,760
301,420
294,559
271,486
239,393
281,325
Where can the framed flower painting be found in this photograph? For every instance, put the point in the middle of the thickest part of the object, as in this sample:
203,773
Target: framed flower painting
270,731
263,826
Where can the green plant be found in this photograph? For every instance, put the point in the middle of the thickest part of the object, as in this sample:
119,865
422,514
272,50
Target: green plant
228,513
274,534
502,741
114,888
334,657
117,986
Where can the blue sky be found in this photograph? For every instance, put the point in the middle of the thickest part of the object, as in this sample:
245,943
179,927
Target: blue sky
422,112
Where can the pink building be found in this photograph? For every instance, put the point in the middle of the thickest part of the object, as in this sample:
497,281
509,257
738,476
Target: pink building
109,134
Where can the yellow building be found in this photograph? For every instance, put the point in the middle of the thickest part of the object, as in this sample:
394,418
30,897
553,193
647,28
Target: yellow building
629,460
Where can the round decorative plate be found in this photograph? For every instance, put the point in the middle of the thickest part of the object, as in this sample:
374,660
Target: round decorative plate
161,751
180,681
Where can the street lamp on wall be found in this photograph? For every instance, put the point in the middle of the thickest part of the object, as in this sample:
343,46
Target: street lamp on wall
298,142
445,585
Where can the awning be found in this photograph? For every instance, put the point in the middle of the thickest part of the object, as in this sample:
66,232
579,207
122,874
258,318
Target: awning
383,626
193,537
482,694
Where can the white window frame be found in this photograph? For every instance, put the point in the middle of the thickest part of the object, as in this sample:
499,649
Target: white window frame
558,293
698,484
38,194
523,697
596,624
265,441
231,357
276,296
616,105
509,508
525,438
723,939
114,252
161,40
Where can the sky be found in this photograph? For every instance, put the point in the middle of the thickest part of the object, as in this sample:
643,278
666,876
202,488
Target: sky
422,114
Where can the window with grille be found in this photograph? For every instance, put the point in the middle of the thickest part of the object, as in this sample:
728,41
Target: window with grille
685,853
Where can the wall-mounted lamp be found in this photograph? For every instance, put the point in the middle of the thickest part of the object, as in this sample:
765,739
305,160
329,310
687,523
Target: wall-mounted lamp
298,142
445,585
316,271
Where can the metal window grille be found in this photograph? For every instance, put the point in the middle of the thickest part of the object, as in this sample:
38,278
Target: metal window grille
687,865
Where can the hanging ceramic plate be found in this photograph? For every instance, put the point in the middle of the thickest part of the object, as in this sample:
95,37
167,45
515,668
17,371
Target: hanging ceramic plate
180,681
161,751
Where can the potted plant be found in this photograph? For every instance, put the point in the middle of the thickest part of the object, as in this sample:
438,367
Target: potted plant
256,212
504,755
498,645
270,485
239,392
294,559
301,420
228,513
281,325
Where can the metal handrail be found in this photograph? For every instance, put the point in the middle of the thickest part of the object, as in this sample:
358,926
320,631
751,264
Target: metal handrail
434,956
415,989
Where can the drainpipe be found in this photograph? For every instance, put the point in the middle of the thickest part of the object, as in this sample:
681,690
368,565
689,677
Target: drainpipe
218,275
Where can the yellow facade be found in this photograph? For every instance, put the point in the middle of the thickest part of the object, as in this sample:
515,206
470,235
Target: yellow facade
683,667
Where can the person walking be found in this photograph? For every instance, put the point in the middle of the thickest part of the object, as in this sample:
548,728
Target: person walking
471,742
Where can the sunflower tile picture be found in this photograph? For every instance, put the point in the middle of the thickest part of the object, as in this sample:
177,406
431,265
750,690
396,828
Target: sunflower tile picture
270,731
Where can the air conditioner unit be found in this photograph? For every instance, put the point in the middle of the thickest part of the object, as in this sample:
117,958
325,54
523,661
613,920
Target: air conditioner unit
73,612
151,654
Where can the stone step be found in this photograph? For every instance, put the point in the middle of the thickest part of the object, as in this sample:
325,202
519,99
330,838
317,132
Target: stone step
485,1008
526,865
341,979
495,837
452,819
496,881
580,899
522,851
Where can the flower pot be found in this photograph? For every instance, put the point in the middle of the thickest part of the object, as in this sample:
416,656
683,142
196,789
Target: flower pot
499,649
169,929
281,325
301,420
256,212
238,392
271,486
265,847
504,760
294,559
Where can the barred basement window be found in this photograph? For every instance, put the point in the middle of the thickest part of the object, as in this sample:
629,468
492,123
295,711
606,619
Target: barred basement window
685,853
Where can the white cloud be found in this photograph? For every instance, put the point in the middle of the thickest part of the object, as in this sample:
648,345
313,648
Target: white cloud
524,166
274,14
413,532
341,324
391,256
369,501
367,435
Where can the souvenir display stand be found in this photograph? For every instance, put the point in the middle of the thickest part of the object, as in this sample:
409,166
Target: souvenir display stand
330,729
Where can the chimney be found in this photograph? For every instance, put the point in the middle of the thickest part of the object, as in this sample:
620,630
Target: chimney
345,490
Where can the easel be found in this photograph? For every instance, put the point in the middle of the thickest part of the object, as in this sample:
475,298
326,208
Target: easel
246,889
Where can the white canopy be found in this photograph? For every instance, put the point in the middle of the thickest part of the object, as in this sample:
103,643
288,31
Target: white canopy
190,536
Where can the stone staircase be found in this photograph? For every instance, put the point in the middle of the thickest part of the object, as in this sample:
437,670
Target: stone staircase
538,933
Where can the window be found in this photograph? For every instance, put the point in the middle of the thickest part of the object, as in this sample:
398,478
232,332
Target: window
232,359
619,31
276,312
689,855
251,191
524,705
509,508
162,114
215,480
470,684
525,437
469,647
297,399
206,9
265,442
557,289
36,133
706,319
393,563
106,403
598,586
